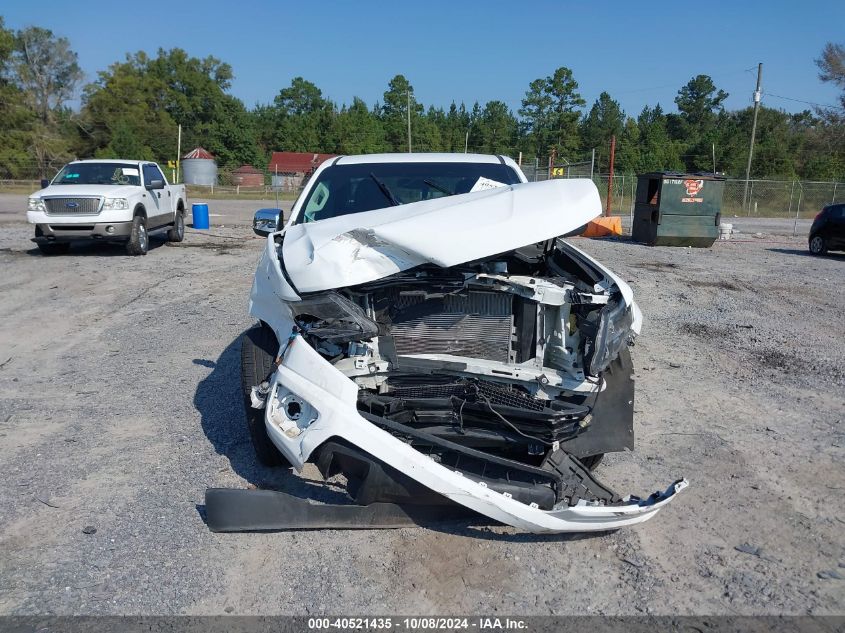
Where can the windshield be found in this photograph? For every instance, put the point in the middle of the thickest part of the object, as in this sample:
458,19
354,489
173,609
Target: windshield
98,174
345,189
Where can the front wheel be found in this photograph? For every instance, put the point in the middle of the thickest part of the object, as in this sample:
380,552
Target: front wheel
258,351
139,240
177,231
817,245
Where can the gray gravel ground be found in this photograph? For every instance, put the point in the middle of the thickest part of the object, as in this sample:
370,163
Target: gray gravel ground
119,405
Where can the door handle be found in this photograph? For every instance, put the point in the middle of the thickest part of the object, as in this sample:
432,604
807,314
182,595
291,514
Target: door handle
158,193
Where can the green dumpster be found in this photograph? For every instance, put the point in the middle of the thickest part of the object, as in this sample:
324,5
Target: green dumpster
676,209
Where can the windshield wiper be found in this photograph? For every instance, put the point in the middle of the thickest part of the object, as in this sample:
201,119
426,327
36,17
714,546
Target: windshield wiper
387,194
439,188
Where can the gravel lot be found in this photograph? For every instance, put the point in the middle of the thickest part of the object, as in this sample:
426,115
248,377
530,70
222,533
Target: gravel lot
119,405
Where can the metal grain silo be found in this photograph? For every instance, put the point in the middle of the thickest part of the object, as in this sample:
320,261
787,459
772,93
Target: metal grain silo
199,168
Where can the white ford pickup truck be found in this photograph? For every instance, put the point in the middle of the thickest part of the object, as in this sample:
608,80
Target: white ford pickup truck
108,199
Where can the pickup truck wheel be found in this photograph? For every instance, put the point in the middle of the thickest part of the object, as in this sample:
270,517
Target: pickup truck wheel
139,240
177,231
258,351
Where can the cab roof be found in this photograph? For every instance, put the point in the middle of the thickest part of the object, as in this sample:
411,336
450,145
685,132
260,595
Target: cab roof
120,161
417,157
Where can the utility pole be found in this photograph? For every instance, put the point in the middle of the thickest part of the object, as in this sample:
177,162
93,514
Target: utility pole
178,153
610,176
409,118
757,95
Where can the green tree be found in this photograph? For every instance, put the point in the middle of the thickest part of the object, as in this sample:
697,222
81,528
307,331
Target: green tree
124,143
828,136
832,68
536,117
701,114
300,119
394,113
498,128
128,98
605,119
455,128
143,100
550,112
47,72
358,131
16,117
657,151
566,104
628,151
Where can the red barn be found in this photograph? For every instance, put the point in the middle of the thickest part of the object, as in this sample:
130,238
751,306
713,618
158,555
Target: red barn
289,169
248,176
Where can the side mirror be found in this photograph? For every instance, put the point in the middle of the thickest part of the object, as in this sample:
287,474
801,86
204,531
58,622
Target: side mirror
155,184
45,183
266,221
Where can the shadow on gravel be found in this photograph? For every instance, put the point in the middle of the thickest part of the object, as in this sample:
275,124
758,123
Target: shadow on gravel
806,253
219,402
93,248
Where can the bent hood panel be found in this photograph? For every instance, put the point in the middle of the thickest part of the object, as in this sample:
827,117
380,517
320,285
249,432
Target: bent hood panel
362,247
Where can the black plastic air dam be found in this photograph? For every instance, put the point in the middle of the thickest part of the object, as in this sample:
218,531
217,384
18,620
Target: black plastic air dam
240,510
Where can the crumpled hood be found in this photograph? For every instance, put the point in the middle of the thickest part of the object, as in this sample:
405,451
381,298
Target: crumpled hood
362,247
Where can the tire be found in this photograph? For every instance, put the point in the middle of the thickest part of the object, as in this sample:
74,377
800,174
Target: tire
258,351
51,248
177,231
139,239
592,461
818,245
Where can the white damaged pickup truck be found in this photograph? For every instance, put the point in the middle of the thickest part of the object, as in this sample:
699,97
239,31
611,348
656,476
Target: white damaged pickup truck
109,200
427,334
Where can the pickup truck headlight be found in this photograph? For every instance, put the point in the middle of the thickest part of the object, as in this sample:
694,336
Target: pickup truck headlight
332,318
37,204
613,334
115,204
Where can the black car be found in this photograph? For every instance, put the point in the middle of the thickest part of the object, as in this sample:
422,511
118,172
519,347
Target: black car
828,230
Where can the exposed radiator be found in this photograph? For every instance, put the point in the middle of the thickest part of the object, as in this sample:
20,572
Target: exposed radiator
475,324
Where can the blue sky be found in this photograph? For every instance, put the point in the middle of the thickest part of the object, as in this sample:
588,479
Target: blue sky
641,53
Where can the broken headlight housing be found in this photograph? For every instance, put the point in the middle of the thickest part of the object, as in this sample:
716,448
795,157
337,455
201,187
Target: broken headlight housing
613,334
332,318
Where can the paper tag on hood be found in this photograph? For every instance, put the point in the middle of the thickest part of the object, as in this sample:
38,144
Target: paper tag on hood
485,183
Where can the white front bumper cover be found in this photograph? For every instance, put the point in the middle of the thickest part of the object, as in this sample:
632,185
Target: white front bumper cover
326,403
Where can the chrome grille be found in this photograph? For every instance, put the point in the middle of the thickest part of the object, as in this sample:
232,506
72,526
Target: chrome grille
73,206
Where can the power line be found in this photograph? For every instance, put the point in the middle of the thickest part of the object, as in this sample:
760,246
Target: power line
812,103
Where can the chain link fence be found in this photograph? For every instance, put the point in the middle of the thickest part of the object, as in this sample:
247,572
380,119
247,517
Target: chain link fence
765,198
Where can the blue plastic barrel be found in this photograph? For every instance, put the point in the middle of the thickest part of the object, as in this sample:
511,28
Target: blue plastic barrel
200,213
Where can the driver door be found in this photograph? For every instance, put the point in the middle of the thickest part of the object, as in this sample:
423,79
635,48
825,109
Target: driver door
158,207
